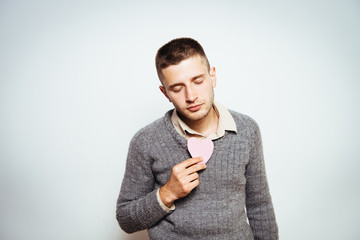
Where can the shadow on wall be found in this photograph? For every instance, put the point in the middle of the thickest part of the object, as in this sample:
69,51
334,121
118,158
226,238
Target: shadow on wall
142,235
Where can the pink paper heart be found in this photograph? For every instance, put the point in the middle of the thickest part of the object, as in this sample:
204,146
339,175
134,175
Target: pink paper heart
200,148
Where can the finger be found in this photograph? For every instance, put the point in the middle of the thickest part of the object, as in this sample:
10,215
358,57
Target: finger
194,184
191,161
191,182
188,162
185,168
192,177
195,168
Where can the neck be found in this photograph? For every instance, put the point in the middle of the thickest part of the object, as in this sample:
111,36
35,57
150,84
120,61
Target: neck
205,126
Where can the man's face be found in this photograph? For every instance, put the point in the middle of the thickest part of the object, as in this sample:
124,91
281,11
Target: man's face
189,86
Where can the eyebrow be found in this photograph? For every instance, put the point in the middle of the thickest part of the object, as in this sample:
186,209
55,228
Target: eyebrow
192,79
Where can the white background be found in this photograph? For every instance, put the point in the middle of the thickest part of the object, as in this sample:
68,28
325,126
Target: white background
78,80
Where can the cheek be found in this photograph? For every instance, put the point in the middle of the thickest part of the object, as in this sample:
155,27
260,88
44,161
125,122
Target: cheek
176,98
206,90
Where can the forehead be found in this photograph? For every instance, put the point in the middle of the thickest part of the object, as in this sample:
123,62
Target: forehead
184,71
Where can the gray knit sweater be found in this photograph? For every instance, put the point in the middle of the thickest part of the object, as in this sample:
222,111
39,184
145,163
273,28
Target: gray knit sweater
233,181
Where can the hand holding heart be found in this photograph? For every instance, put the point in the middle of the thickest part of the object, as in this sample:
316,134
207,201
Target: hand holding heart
184,178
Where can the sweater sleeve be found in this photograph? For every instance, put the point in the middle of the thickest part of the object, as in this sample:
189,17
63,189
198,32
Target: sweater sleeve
258,200
137,205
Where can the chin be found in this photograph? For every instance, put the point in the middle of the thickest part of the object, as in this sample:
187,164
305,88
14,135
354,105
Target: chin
195,116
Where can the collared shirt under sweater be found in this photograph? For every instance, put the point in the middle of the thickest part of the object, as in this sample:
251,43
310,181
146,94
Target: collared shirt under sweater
234,179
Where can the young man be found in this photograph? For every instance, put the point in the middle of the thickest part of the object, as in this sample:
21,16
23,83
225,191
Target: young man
176,196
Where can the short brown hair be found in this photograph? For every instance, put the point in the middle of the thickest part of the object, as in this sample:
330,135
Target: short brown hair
177,50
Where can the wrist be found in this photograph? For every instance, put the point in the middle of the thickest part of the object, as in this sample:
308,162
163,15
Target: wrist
166,197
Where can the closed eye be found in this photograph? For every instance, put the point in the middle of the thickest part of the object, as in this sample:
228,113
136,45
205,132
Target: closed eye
199,80
176,88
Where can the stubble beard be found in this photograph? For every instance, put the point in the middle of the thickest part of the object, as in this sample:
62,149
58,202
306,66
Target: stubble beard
189,118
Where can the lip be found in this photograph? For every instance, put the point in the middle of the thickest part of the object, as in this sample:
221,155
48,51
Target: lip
194,108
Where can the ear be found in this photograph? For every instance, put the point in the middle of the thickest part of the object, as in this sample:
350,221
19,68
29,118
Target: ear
213,76
162,89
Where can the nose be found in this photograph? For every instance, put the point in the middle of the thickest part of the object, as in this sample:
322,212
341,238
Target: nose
190,95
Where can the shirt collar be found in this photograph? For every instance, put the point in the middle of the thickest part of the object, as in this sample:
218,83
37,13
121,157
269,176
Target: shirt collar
226,123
